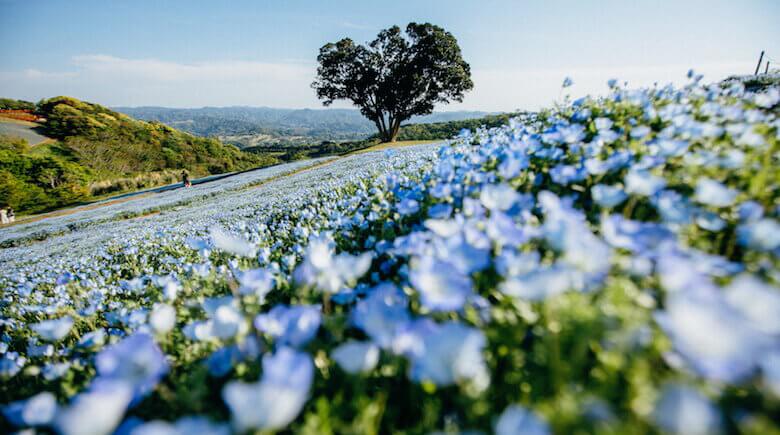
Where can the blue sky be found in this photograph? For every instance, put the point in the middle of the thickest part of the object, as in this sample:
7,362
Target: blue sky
262,53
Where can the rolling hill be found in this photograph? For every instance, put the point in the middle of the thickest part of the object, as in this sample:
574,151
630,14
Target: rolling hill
97,151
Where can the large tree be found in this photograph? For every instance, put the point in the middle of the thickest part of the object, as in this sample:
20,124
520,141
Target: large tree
396,76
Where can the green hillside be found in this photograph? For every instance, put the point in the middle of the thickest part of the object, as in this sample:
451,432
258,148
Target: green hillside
98,151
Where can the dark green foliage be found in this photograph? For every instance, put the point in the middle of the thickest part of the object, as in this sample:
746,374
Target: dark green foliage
11,104
31,182
395,76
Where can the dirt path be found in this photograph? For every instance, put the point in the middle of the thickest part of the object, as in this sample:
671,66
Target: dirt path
29,131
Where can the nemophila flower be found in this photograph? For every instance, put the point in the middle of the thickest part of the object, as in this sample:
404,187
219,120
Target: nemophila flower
711,192
498,197
408,206
750,211
10,364
162,319
517,419
38,410
713,337
98,411
758,302
136,360
294,326
762,234
538,284
258,282
634,236
608,196
53,330
464,256
356,356
567,174
710,221
673,207
231,244
683,410
382,313
274,401
643,183
440,285
451,353
567,82
328,271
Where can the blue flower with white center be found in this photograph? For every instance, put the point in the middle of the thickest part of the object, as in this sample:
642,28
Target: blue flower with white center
451,353
711,192
137,361
713,337
762,234
53,330
257,282
498,197
356,357
608,196
273,402
643,183
96,411
440,285
294,326
38,410
382,314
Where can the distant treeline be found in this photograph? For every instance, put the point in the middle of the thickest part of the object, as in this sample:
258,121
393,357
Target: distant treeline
410,132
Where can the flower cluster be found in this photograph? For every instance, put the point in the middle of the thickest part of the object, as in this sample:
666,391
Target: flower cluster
609,265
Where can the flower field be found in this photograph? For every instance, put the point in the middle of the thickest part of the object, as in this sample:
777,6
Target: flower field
606,266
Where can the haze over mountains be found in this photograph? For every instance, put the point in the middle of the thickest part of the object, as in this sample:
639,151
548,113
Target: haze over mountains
257,126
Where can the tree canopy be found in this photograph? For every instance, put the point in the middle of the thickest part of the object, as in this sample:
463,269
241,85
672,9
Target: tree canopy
395,76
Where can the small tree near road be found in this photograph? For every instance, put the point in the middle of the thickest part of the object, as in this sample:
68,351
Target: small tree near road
396,76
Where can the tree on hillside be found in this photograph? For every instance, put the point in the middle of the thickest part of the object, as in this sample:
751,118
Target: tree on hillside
395,76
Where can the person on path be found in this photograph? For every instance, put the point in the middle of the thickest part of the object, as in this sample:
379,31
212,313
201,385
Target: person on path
11,215
185,178
3,217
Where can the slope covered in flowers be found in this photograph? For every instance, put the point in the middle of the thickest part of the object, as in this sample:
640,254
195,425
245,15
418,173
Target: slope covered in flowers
610,265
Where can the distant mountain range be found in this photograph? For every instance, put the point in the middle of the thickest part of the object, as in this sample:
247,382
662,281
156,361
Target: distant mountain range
258,126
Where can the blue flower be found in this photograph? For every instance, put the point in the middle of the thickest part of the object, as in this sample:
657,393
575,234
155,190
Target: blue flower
519,420
38,410
356,357
53,330
137,361
567,82
382,314
713,337
273,402
711,192
451,353
440,285
294,326
608,196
